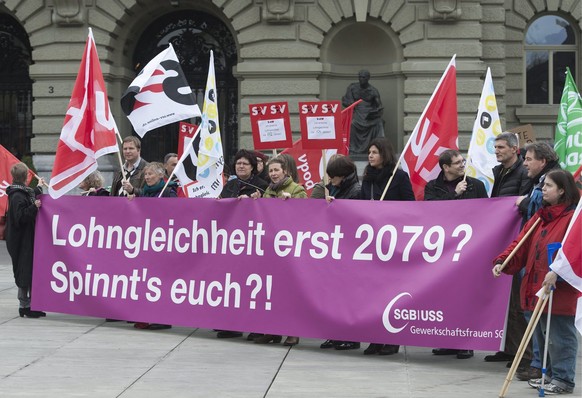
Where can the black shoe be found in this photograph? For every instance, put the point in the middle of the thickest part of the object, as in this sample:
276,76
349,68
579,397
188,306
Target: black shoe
329,344
27,312
253,336
373,348
389,349
158,326
227,334
444,351
113,320
347,345
499,356
465,354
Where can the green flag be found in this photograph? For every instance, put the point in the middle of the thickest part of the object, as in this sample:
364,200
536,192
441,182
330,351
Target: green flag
568,141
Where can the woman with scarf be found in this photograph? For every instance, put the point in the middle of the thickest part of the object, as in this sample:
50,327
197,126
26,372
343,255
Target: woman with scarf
559,199
154,184
381,164
281,186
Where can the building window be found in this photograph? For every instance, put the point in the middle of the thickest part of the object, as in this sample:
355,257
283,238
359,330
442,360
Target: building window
550,47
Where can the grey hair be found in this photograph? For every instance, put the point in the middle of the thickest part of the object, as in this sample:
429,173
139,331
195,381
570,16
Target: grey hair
542,150
156,167
94,180
509,137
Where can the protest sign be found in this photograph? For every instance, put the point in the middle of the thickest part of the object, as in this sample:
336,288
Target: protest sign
412,273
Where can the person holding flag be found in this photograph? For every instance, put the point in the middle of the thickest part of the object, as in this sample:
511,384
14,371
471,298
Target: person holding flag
560,197
130,180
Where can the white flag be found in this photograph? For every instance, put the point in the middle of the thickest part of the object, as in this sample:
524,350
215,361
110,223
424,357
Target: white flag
159,95
210,156
487,126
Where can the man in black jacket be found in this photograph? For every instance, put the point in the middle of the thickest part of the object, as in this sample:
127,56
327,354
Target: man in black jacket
451,185
131,178
451,182
511,180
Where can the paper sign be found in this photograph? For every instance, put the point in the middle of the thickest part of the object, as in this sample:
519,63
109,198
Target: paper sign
270,125
321,125
526,134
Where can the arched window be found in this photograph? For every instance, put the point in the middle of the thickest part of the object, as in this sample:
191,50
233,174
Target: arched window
551,45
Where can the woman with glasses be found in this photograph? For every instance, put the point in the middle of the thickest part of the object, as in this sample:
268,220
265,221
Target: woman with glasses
245,181
381,164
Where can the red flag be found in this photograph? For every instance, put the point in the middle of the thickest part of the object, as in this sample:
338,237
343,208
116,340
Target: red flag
568,262
310,162
435,132
89,128
7,160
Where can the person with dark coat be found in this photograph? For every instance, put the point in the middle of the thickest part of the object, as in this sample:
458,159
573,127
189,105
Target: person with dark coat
246,181
510,179
559,199
450,185
540,158
381,164
23,207
92,185
451,182
510,175
130,180
344,184
262,171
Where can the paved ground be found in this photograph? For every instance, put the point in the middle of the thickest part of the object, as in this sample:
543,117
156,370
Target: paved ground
70,356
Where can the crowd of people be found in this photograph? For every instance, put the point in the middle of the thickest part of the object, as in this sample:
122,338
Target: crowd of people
543,191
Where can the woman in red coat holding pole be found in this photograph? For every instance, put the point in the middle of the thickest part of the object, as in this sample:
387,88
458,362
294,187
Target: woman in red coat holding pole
560,197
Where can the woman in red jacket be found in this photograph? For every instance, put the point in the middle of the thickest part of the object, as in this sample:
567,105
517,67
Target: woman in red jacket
560,197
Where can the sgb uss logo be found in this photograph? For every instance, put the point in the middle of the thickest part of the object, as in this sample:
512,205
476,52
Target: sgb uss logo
407,314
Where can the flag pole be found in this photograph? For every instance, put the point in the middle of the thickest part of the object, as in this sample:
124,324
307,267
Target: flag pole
181,160
519,244
535,317
392,176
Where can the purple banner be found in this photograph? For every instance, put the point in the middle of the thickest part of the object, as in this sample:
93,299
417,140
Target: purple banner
411,273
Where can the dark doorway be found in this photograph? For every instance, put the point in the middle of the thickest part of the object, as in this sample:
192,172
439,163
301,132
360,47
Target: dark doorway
193,34
15,87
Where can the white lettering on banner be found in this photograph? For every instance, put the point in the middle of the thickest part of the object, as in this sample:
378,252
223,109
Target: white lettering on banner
458,332
273,109
5,184
385,244
382,244
214,293
408,314
304,167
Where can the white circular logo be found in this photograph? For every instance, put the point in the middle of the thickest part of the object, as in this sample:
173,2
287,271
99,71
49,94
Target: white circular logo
388,310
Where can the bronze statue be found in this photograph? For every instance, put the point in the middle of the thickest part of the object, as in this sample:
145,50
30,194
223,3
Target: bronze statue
367,122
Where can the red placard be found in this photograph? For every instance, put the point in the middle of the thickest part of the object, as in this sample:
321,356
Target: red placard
321,124
270,125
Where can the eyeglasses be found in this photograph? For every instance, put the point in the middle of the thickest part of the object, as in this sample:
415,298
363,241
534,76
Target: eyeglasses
459,162
242,164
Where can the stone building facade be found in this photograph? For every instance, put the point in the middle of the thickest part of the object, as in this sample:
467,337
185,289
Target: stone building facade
293,50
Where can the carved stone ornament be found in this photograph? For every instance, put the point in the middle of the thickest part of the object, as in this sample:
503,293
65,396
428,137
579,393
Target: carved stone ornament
68,12
279,11
440,10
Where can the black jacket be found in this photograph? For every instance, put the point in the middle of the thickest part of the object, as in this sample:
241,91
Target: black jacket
20,224
537,181
349,188
513,183
437,190
236,187
375,181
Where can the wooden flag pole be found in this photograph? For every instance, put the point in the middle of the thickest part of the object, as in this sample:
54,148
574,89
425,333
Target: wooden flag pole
519,244
391,178
325,179
529,331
